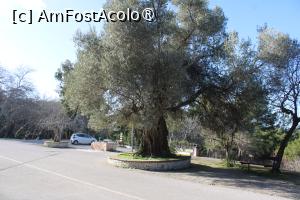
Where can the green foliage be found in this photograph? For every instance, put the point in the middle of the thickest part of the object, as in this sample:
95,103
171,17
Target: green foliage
236,101
61,75
281,57
237,97
126,135
276,48
136,73
136,157
293,149
265,142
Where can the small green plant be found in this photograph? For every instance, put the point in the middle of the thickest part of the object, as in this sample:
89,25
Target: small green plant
133,156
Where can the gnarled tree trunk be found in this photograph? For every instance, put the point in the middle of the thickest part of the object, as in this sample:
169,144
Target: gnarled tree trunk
155,140
57,135
283,145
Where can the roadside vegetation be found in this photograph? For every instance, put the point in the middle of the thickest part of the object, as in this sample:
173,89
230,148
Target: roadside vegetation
24,115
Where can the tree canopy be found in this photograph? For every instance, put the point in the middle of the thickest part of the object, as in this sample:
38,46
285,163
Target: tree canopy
138,72
280,55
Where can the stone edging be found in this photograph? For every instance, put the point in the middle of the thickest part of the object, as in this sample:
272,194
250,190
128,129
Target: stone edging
52,144
165,165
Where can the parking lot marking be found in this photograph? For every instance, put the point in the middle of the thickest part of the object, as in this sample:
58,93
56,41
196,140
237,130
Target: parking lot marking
73,179
87,150
23,163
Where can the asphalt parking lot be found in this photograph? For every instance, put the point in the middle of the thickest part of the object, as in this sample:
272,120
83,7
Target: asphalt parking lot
29,171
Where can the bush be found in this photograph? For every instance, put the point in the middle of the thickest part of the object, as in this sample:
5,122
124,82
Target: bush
265,142
293,150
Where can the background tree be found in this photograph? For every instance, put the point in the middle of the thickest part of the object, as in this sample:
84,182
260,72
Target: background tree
264,142
61,75
138,72
18,106
281,56
237,98
54,119
185,131
22,113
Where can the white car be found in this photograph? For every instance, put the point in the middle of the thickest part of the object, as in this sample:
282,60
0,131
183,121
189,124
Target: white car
82,138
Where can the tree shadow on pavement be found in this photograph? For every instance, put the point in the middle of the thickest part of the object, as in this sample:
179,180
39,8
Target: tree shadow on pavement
258,180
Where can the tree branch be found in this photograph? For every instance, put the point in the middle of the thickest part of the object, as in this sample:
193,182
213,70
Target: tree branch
188,101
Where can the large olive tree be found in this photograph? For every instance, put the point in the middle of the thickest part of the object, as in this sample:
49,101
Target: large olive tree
137,72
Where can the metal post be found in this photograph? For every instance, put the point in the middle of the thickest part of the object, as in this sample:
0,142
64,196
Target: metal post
132,133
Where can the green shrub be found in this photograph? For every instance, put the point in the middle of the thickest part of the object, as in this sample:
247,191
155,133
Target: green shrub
293,150
265,142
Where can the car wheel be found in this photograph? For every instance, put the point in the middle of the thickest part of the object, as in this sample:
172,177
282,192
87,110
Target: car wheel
93,141
75,142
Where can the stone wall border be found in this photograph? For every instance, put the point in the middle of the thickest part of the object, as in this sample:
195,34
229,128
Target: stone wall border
152,165
52,144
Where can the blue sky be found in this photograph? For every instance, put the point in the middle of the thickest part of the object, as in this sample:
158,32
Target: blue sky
44,46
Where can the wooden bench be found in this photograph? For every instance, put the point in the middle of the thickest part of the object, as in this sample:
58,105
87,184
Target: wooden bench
252,162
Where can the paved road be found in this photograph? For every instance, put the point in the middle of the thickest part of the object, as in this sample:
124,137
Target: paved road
31,172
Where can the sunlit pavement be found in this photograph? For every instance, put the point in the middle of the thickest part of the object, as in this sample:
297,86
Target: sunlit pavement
29,171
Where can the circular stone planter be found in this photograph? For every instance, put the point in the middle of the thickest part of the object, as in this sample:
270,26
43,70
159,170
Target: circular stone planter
152,165
52,144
